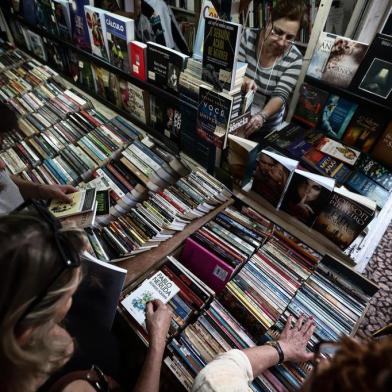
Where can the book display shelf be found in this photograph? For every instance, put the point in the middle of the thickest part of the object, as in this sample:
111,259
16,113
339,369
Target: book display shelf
241,265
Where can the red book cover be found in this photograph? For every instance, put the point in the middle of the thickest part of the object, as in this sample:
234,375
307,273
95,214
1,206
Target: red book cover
138,59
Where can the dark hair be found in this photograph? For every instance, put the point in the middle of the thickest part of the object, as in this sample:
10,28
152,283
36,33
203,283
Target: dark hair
8,118
294,10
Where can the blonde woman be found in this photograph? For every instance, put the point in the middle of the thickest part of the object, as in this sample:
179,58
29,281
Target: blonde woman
39,273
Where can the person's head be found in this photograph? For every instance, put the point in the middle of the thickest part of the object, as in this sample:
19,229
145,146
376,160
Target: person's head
9,121
36,293
309,189
265,164
287,18
356,367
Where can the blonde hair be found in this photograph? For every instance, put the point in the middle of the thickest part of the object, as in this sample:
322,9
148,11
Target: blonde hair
29,262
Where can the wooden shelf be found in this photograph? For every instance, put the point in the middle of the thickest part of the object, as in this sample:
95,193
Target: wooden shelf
155,90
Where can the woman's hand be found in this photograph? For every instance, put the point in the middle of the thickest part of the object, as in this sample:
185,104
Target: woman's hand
255,123
293,340
248,84
158,318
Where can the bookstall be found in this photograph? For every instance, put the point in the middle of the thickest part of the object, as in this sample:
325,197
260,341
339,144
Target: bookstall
153,137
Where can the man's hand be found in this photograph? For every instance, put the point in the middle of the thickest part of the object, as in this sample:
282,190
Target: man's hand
158,317
57,192
255,123
293,340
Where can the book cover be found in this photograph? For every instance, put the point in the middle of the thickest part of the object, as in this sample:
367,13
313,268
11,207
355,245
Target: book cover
62,14
95,18
80,35
164,65
36,44
45,17
272,175
310,105
212,270
345,57
375,171
120,31
327,165
306,195
321,54
159,286
29,11
81,201
363,185
364,128
343,219
138,52
221,46
336,115
134,100
373,79
213,116
382,150
338,150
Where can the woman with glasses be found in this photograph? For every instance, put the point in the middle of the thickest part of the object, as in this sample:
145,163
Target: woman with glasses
274,64
39,273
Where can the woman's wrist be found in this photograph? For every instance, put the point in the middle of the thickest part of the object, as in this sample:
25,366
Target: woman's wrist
263,115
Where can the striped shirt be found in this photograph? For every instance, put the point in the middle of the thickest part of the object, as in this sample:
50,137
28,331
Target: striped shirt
275,81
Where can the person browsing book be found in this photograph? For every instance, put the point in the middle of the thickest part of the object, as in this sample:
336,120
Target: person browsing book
13,190
40,270
274,64
344,366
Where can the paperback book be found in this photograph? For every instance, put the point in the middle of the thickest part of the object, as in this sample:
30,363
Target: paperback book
338,150
375,171
382,150
80,35
95,18
138,52
62,14
321,55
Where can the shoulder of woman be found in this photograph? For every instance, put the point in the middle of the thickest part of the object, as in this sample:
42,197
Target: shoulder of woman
79,386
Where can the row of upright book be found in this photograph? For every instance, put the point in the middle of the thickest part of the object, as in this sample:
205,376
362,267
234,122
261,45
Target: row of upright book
277,276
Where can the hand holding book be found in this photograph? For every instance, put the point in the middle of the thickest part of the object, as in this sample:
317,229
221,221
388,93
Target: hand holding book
158,318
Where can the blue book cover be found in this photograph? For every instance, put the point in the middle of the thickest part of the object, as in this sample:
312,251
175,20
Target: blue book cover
29,11
337,114
79,24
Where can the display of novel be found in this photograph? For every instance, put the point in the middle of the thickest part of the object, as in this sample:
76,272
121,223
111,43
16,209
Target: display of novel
373,79
45,17
321,55
95,18
164,66
138,52
382,150
120,31
80,34
62,14
375,171
159,286
345,217
134,100
221,46
338,150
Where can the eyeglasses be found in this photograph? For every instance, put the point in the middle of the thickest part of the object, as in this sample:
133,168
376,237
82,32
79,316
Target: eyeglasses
97,379
281,34
325,349
69,258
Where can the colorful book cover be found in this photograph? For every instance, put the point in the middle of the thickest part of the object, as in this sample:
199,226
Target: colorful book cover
306,195
138,52
272,174
363,185
120,31
338,150
345,57
364,129
81,201
375,171
95,18
213,116
62,14
221,46
321,54
382,150
310,105
343,219
133,100
336,116
80,35
159,286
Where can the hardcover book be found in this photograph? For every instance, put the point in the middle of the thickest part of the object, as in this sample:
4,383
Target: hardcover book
345,57
382,151
221,46
138,52
338,150
306,195
164,65
336,115
375,171
364,128
345,217
81,202
120,31
310,105
213,116
95,18
373,79
159,286
272,175
321,55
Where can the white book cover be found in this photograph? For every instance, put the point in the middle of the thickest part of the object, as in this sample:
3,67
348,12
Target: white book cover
159,286
321,55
